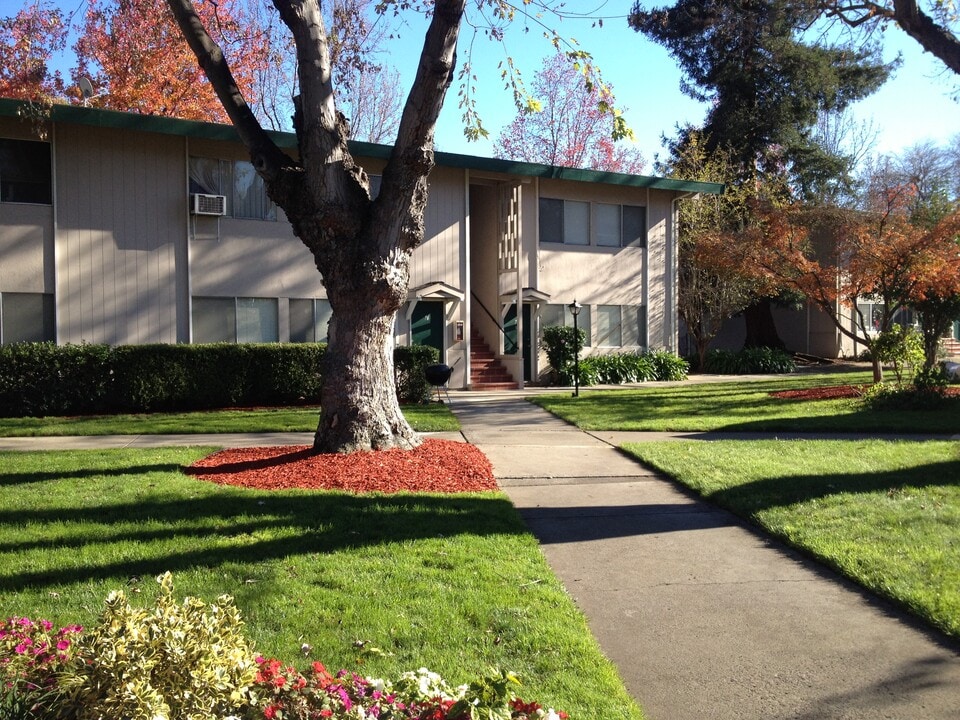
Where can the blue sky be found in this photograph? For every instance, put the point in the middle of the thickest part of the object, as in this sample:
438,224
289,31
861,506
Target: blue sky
915,106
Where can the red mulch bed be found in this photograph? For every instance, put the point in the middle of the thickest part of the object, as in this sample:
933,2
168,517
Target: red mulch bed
438,466
838,391
821,393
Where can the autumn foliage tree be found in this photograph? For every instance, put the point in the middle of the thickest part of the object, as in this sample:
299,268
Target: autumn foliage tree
568,125
28,40
838,257
712,285
137,59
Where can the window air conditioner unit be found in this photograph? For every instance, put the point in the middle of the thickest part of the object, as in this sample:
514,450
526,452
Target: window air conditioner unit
208,204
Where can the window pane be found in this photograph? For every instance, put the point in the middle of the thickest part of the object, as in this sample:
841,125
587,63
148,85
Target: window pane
608,224
635,325
551,315
257,320
27,317
25,175
576,223
214,320
302,325
560,315
205,176
324,313
551,220
634,226
608,326
250,194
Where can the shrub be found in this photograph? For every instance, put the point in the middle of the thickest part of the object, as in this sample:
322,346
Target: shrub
190,661
882,396
186,661
619,368
749,361
562,344
408,366
40,379
901,347
668,366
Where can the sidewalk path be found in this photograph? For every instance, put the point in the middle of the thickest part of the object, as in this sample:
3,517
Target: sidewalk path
705,617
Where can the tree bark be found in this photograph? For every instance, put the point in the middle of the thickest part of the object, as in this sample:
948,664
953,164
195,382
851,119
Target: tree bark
361,246
359,408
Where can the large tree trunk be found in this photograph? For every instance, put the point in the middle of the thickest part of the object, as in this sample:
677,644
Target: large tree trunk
358,397
361,246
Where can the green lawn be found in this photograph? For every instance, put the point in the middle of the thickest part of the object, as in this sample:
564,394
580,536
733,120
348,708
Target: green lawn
381,584
886,514
742,405
423,418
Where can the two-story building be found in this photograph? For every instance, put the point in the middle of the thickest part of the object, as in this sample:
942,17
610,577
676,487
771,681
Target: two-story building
122,229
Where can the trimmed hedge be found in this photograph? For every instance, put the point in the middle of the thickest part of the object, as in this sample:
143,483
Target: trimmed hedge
40,379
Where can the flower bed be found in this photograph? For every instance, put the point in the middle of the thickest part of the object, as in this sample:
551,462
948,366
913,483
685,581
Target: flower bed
189,661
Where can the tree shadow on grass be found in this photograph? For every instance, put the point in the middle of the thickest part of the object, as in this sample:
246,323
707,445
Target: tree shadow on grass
10,479
177,526
754,497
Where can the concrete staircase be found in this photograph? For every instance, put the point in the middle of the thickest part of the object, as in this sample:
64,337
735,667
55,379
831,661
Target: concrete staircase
951,347
486,371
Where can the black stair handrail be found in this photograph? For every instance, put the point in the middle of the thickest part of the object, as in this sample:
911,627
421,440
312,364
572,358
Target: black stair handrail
496,322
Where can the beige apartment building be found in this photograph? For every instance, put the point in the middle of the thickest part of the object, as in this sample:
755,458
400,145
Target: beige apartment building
127,229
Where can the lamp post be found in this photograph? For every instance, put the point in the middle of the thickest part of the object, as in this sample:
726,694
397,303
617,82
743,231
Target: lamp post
575,310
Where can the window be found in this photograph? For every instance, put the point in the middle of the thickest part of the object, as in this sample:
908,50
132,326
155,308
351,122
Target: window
570,222
25,175
609,326
634,325
246,320
608,224
309,319
257,320
26,317
560,315
245,191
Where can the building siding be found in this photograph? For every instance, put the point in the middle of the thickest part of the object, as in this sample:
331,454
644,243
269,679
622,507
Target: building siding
120,210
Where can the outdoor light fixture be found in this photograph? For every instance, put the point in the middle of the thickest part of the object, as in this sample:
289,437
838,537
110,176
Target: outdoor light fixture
575,310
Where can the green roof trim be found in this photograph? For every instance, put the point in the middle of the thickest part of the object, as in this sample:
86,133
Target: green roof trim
112,119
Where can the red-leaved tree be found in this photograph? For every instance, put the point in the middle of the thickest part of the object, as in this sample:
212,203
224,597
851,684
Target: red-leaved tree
836,257
570,125
27,42
138,60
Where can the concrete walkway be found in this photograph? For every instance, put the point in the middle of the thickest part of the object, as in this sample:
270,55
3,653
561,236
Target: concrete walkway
704,617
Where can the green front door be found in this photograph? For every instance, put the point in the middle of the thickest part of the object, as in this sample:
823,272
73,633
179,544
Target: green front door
510,338
426,325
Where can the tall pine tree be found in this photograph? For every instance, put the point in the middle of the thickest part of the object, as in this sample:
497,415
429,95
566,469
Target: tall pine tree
766,84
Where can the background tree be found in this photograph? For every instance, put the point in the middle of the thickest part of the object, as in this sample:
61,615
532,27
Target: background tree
837,258
148,67
568,126
766,87
920,182
27,42
935,29
712,286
